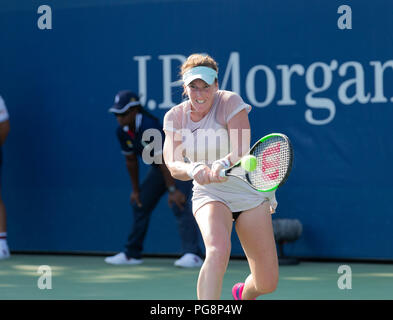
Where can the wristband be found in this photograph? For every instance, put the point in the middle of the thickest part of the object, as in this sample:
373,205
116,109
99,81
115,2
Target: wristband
190,171
224,162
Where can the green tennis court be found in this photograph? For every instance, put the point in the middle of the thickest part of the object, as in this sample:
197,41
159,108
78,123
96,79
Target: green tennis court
89,277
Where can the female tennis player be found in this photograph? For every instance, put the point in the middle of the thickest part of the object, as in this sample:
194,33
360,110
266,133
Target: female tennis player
198,133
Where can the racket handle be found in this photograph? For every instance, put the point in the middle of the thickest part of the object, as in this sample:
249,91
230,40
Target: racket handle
222,173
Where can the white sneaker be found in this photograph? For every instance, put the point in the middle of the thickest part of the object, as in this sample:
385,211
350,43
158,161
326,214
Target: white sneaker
121,258
189,260
4,251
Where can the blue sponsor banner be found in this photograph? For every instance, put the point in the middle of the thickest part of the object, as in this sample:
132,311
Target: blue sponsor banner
318,71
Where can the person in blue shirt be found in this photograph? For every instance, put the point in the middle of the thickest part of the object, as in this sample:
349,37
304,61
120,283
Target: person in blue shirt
134,121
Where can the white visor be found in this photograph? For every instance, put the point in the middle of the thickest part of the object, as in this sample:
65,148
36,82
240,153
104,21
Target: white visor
204,73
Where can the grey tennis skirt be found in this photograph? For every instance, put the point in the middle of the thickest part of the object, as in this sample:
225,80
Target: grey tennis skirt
236,194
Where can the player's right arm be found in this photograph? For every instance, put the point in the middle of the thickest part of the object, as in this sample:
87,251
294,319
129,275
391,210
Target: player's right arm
179,169
173,157
173,151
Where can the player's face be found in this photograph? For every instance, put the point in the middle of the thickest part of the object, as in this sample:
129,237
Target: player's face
201,95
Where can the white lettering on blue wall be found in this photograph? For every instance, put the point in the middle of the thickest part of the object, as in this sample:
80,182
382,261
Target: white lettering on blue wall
261,84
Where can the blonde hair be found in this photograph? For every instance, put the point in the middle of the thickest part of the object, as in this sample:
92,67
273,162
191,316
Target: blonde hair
198,60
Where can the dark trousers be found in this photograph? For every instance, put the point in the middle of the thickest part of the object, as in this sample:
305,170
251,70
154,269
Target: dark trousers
152,189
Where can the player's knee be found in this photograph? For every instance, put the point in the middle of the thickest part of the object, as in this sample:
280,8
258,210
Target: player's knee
266,285
219,255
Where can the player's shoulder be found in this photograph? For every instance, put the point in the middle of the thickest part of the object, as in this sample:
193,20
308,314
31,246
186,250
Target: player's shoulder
226,95
181,107
177,110
228,100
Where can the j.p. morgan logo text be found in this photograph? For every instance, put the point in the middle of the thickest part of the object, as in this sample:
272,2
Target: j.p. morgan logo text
324,84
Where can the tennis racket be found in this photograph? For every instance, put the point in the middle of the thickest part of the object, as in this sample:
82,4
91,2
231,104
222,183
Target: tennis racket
274,155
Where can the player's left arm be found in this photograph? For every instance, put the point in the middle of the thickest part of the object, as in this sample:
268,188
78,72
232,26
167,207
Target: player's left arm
239,137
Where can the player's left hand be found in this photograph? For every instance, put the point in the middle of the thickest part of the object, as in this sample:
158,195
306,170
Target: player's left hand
215,173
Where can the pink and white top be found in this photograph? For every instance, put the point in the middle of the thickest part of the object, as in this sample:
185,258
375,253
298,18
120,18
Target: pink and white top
208,140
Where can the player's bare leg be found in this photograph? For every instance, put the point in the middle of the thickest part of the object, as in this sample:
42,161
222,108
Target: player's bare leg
215,222
255,231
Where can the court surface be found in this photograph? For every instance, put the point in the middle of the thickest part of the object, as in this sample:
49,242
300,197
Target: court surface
77,277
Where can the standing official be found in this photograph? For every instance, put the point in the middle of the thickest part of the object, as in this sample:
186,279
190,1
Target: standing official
133,122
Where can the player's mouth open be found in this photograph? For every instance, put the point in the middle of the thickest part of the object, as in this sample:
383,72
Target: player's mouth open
201,101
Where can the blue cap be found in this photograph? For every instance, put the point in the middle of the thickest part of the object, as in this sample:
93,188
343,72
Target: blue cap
204,73
124,100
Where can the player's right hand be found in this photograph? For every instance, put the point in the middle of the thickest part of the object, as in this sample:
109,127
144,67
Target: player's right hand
202,174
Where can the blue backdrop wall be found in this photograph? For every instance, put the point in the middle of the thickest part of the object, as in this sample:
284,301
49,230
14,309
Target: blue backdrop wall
329,89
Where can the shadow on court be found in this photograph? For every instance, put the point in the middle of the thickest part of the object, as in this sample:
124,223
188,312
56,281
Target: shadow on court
89,277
